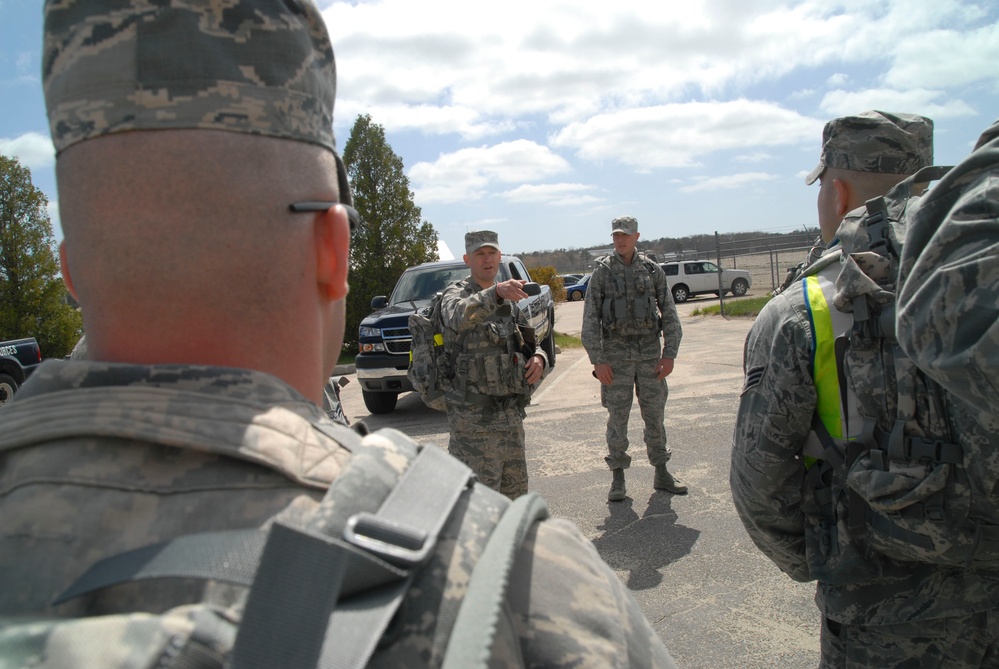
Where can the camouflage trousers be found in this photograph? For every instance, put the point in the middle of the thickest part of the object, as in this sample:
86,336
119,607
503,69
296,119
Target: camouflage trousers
961,642
491,442
630,379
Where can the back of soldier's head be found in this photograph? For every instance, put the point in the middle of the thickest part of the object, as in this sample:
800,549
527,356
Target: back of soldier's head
183,131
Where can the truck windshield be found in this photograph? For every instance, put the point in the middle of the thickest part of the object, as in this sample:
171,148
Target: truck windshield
421,285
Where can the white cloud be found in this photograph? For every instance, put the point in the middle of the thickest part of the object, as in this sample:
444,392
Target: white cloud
838,79
32,150
756,157
729,182
915,101
560,195
466,174
678,135
947,58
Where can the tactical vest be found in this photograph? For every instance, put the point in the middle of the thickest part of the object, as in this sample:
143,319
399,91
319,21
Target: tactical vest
490,363
630,307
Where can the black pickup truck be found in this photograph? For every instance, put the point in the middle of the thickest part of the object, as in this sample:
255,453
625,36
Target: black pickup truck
384,338
18,358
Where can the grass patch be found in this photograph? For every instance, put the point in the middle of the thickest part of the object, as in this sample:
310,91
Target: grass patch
747,307
567,341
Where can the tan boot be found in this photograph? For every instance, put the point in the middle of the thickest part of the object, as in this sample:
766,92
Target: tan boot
665,481
617,491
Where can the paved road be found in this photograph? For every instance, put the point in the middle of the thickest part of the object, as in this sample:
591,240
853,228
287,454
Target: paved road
712,596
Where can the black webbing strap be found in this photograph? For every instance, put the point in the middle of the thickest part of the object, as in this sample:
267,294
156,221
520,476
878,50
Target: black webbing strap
230,556
293,618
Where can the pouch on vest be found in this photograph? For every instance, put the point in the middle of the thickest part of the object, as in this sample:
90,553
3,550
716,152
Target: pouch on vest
430,370
921,492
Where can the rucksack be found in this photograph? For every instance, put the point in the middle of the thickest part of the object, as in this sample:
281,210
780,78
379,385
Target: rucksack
321,594
909,487
431,362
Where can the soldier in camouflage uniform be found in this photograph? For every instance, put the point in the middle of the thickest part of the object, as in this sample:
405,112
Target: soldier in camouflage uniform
876,611
628,308
183,130
493,370
948,319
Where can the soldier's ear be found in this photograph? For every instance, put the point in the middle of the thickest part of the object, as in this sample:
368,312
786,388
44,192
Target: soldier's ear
64,266
332,242
844,194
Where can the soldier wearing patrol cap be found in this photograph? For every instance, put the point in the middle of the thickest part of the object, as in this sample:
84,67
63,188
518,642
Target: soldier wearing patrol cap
814,403
862,157
632,333
206,228
493,371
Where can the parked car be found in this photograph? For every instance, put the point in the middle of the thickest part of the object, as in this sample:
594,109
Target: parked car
570,279
18,359
577,291
698,277
382,360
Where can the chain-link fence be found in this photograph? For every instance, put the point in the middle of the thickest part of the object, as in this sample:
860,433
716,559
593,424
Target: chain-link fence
766,259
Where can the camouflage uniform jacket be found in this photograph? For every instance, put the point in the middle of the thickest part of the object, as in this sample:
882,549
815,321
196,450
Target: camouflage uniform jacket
491,356
98,458
768,479
948,318
602,344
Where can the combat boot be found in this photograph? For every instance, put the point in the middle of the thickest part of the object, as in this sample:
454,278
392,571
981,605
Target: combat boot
617,490
665,481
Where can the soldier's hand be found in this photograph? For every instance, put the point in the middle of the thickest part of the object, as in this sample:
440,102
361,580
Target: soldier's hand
664,368
604,373
533,369
511,290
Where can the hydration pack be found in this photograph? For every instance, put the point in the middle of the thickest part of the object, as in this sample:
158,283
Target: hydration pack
916,479
430,365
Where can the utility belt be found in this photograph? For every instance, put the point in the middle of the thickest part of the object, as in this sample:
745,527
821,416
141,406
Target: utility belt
497,403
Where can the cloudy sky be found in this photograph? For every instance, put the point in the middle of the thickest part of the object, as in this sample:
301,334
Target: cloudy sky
545,119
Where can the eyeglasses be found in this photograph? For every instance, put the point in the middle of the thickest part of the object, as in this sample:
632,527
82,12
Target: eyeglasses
303,207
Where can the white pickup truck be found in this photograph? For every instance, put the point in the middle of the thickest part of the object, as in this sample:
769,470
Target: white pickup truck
687,278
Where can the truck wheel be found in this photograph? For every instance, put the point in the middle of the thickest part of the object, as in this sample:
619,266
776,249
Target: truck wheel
8,386
548,343
380,402
680,293
740,287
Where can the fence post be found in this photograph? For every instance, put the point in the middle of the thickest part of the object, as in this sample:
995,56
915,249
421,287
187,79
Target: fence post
721,292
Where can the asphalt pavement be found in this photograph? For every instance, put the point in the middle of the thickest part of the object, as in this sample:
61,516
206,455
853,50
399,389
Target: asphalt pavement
714,598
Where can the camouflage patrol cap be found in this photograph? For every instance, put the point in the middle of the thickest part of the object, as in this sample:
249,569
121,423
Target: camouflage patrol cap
476,240
876,141
626,224
262,67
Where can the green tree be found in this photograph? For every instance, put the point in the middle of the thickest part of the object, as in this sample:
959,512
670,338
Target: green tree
33,297
391,236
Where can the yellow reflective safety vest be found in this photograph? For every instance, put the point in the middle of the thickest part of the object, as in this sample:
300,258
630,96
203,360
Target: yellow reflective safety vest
836,407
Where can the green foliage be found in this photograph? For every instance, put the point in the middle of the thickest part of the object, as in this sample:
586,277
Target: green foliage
33,297
548,275
565,341
391,236
746,306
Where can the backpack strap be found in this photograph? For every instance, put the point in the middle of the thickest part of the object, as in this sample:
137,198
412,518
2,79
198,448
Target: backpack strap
471,642
308,586
292,611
